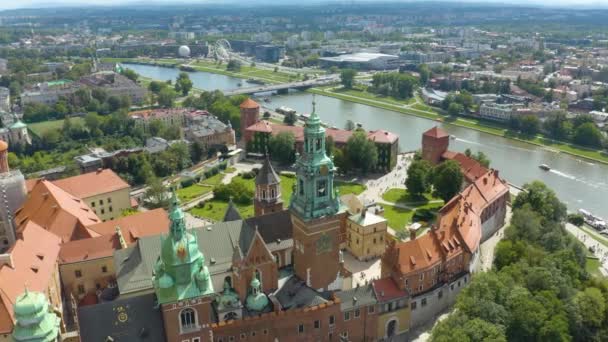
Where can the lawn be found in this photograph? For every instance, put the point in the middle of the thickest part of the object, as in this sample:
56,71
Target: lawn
39,128
193,191
213,180
360,92
215,210
403,196
399,218
592,266
349,188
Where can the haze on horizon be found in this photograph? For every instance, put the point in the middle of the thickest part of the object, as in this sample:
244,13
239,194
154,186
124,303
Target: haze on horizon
63,3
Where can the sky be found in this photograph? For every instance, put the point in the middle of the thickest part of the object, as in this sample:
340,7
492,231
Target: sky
11,4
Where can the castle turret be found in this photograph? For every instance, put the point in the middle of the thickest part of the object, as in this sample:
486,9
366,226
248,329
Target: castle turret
250,114
34,321
267,191
435,143
12,195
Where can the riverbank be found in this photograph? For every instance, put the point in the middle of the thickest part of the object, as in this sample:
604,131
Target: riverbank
406,107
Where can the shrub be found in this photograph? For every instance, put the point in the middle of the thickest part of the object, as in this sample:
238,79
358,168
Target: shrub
187,182
576,219
237,190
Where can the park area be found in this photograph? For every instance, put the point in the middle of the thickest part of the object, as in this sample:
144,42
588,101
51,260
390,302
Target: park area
405,208
215,209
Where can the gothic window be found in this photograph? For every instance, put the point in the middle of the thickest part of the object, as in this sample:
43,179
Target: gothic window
301,187
258,276
263,194
187,319
272,194
318,144
230,316
324,244
321,188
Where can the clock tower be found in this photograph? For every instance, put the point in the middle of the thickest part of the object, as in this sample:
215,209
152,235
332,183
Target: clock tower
315,213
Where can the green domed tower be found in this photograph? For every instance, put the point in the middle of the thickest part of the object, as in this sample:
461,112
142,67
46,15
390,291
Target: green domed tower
316,215
180,271
315,195
35,323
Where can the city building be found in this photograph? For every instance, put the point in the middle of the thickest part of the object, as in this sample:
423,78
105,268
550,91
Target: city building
168,116
86,266
366,232
362,61
432,96
16,133
497,111
269,53
258,135
267,198
3,65
14,192
99,158
5,99
210,131
103,190
31,262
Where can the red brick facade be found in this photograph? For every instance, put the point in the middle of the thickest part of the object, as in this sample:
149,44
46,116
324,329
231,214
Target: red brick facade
434,143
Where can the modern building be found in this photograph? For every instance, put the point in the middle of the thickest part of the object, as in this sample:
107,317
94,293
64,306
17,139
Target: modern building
269,53
362,61
14,192
497,111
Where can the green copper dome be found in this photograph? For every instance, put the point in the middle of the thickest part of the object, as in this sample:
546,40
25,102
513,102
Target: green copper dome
34,321
18,124
180,271
256,300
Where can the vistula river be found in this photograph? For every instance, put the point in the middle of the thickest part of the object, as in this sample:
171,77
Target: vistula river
578,182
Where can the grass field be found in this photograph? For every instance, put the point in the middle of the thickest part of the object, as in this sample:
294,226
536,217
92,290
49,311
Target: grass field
192,192
592,266
213,180
399,218
360,92
215,209
403,196
39,128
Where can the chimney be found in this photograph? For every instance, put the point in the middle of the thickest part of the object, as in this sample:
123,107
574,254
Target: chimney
413,229
363,212
6,259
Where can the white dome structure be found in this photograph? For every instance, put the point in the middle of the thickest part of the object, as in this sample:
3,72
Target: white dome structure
184,51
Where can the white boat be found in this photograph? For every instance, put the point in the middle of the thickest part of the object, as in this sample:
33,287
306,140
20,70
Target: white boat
544,167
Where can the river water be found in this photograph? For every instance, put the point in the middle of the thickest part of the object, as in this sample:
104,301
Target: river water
578,182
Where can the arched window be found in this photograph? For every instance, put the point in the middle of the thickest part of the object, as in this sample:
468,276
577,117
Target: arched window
187,319
263,194
228,280
258,275
272,193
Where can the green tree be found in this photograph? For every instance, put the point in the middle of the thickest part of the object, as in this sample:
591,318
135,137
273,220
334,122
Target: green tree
455,109
233,65
362,152
542,200
447,180
183,84
425,73
588,134
166,97
347,78
130,74
157,193
417,181
350,125
290,119
530,125
558,127
114,103
282,147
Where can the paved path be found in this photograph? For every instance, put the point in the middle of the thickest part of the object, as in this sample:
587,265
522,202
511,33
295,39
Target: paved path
590,241
394,179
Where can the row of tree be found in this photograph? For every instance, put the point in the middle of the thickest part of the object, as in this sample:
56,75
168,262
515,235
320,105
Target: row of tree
444,180
395,84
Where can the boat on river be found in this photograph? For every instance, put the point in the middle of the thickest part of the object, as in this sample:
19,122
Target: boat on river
544,167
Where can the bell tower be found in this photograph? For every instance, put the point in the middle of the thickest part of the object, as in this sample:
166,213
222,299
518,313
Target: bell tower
315,212
267,191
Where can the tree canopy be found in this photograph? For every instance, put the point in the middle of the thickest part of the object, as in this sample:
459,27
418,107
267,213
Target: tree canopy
282,148
447,180
362,152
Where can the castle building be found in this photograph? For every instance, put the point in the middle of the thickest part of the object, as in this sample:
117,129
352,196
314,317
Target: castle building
12,195
267,197
318,218
365,235
16,133
250,114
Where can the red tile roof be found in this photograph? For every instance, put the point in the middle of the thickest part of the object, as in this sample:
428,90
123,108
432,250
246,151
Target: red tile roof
435,132
382,137
249,104
471,169
57,211
34,258
29,184
132,227
458,227
261,126
385,289
93,183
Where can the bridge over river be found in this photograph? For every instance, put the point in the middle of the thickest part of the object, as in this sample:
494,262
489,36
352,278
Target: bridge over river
283,86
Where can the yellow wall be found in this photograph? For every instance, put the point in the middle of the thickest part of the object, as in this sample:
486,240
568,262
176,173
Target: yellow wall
92,274
360,240
120,201
403,319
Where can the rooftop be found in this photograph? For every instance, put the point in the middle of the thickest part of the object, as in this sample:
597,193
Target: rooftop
249,104
92,184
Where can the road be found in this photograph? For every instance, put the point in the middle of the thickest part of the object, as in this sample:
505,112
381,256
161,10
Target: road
601,250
